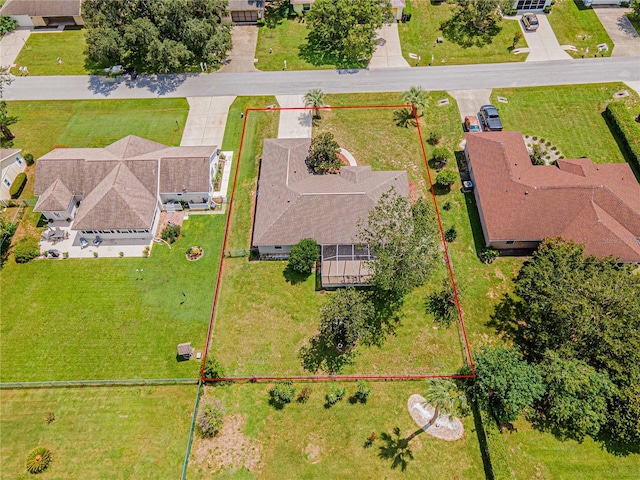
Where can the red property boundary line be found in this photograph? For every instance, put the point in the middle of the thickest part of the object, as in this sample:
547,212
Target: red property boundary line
214,305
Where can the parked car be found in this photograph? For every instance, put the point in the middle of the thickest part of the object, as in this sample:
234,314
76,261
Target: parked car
490,118
530,21
471,124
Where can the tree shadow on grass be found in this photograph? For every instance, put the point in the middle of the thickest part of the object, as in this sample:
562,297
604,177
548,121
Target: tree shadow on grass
457,31
313,53
386,318
320,354
293,277
397,449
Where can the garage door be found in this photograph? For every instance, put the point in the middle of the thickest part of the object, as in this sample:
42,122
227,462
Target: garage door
245,17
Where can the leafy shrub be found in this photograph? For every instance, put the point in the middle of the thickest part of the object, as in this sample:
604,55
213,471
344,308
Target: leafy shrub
626,128
7,25
29,159
446,206
441,155
434,138
547,9
95,254
145,251
38,460
213,369
282,392
446,178
121,254
25,250
303,256
441,305
65,254
489,254
370,439
450,234
50,418
170,233
210,420
537,154
304,394
363,391
335,394
18,184
7,229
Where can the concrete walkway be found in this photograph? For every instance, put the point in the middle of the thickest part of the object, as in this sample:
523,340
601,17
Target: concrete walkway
11,44
470,101
543,44
241,58
293,123
623,35
388,53
206,121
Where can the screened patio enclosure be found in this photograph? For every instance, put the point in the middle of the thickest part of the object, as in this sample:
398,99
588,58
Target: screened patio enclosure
343,265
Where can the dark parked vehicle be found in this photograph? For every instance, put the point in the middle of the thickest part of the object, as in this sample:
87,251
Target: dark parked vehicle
530,21
490,118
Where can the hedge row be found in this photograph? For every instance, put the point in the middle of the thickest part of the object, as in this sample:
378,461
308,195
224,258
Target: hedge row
497,450
627,129
18,184
25,250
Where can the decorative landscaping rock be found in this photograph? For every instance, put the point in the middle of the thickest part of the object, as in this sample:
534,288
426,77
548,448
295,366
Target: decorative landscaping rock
445,427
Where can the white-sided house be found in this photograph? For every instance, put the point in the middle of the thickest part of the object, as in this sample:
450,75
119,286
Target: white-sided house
114,192
303,6
293,203
43,13
12,164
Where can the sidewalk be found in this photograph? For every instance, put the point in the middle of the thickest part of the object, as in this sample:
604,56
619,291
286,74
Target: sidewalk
206,121
293,123
11,44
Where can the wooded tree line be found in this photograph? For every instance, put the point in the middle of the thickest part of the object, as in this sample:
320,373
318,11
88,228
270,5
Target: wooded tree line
157,36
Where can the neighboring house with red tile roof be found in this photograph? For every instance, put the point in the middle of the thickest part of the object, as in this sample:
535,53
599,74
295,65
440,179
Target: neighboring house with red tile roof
43,13
520,204
293,203
117,191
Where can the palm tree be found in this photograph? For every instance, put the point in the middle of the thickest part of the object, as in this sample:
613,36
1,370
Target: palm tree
444,396
314,98
417,97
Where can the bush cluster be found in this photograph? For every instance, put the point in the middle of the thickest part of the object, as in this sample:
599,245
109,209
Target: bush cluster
282,392
303,256
18,184
335,394
214,369
210,420
171,233
626,128
25,250
28,157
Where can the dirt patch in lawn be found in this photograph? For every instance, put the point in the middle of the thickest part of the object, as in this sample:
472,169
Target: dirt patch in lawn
231,449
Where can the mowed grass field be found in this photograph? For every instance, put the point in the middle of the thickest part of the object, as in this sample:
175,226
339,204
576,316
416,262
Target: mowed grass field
309,440
101,319
273,317
106,432
42,126
570,117
419,35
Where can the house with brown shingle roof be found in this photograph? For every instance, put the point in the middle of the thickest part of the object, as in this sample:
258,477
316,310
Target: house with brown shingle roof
117,192
520,204
294,203
43,13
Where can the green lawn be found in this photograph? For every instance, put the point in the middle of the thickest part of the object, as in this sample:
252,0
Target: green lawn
571,21
635,21
93,319
283,42
420,33
106,433
40,54
570,117
534,454
272,317
313,442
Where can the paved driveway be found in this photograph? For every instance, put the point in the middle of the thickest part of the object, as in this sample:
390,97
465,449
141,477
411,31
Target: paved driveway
11,44
543,44
388,53
619,28
206,121
242,55
470,101
293,123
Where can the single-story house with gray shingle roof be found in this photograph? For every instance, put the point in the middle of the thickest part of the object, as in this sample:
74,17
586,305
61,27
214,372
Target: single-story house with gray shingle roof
293,203
43,13
117,191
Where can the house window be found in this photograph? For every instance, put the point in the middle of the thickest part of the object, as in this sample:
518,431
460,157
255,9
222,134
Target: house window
510,242
306,7
278,247
19,160
7,182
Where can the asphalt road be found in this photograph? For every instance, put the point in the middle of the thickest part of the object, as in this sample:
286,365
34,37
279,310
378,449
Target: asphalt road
461,77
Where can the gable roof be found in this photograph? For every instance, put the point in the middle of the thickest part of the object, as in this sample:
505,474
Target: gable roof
118,183
294,203
598,205
42,8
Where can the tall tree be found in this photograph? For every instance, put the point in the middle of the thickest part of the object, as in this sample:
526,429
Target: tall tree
345,30
505,383
156,36
6,119
417,97
323,154
406,242
345,318
445,397
314,98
